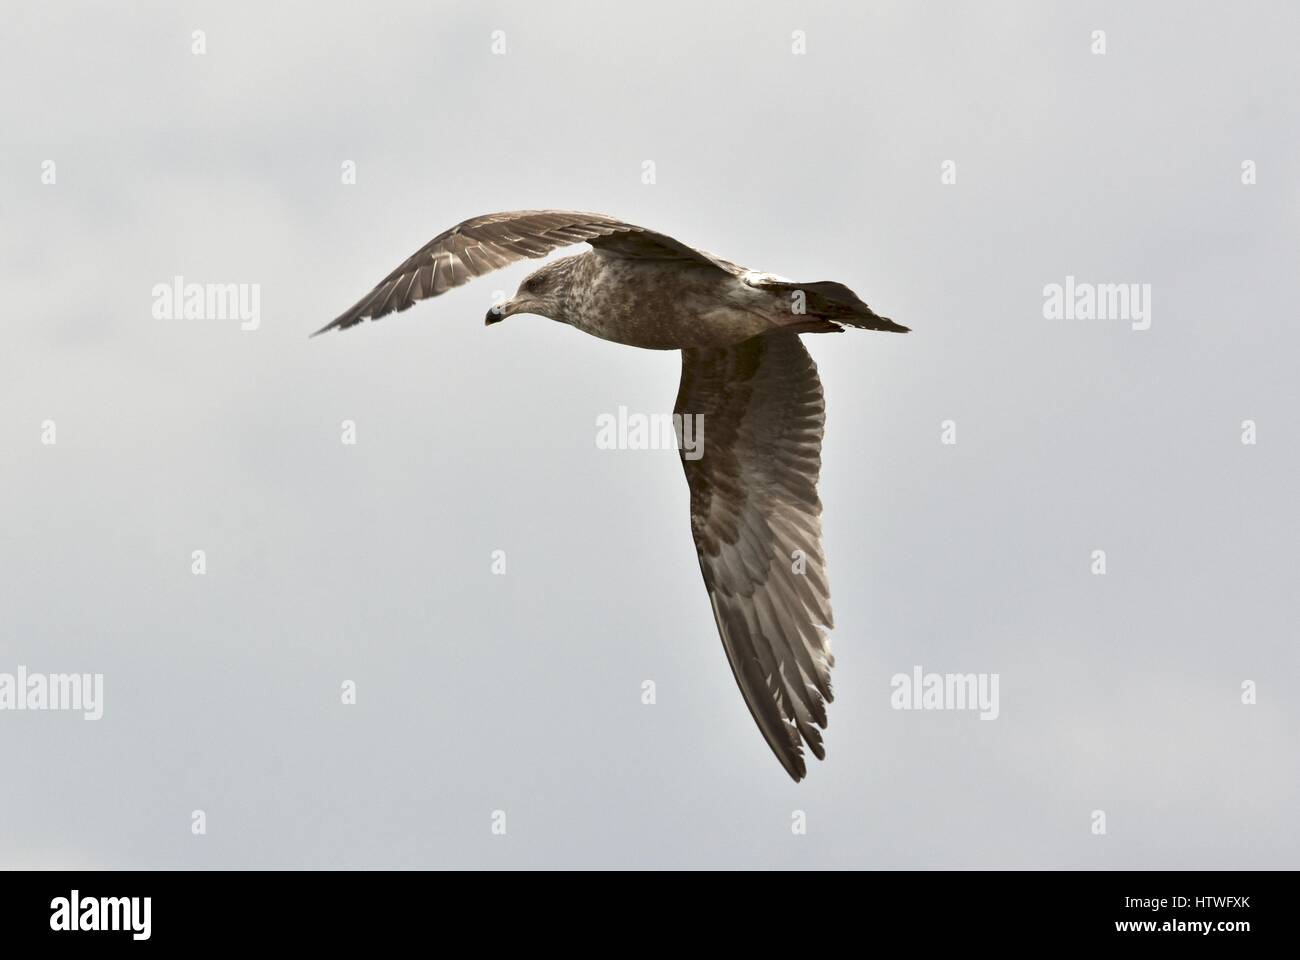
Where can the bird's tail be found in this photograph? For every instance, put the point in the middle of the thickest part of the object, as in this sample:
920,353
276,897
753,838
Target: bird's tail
830,301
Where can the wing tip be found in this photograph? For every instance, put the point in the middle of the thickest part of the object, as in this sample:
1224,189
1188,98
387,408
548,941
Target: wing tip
794,765
342,322
889,326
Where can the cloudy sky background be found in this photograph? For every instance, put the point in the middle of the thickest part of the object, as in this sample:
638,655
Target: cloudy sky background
522,693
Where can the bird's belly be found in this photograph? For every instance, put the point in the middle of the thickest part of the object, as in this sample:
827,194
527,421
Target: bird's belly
719,327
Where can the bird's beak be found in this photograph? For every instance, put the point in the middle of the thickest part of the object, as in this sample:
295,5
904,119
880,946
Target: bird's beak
504,309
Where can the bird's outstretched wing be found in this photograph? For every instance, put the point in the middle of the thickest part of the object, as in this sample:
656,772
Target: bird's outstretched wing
484,244
756,519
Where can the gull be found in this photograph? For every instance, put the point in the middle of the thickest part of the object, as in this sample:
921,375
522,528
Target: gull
754,510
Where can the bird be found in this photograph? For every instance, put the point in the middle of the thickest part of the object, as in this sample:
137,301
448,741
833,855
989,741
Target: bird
755,513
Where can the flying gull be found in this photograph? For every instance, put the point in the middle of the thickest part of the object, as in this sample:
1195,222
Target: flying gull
755,514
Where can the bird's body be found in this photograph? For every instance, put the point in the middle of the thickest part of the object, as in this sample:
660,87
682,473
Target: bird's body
650,304
755,513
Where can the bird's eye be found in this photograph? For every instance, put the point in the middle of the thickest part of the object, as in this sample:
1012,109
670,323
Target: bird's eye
534,284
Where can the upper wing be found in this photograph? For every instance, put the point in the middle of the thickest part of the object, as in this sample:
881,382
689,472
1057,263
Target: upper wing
483,244
756,519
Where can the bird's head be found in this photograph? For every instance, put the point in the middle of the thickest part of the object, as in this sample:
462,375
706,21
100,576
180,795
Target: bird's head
543,292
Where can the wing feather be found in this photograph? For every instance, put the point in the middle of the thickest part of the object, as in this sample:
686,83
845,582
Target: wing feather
483,244
753,505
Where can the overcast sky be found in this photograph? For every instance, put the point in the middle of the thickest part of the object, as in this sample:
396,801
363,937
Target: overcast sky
371,562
